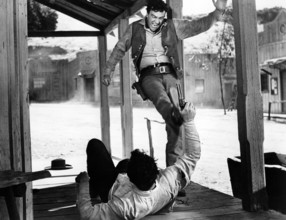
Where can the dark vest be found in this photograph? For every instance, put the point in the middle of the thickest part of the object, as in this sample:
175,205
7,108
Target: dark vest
169,42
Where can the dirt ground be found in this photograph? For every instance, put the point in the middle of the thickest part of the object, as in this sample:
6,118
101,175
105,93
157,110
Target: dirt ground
63,130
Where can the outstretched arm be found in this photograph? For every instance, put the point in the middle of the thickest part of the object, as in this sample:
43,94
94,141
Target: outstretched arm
188,161
117,54
188,28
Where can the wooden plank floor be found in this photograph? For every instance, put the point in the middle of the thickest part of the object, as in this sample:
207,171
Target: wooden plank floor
200,203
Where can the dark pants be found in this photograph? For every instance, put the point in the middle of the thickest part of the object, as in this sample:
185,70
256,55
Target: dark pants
101,169
157,89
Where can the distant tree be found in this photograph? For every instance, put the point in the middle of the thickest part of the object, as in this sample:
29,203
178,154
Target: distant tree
267,14
223,39
40,17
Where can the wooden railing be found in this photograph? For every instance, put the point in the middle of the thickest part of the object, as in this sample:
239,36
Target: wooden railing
13,184
270,104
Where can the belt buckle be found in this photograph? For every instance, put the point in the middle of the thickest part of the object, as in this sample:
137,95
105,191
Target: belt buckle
162,69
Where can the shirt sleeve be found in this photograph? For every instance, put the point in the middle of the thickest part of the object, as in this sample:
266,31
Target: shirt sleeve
188,161
119,50
87,211
188,28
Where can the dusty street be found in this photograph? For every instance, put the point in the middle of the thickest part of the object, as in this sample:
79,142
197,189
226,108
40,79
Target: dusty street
62,130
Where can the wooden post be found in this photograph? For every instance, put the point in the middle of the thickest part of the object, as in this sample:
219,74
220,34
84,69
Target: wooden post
269,110
104,104
250,108
177,12
5,16
15,150
126,97
21,60
150,137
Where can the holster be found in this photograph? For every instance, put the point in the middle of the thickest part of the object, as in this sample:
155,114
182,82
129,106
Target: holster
138,87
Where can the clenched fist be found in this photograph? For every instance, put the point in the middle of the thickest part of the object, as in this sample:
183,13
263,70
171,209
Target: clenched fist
82,177
189,112
106,80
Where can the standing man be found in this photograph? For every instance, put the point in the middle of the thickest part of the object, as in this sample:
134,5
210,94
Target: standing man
154,42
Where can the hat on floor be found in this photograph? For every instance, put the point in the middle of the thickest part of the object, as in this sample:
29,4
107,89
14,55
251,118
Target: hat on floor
58,164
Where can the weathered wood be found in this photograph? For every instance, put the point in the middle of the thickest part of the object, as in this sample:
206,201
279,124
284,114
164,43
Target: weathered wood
250,109
177,12
200,203
55,202
89,7
104,104
11,204
11,178
6,21
22,63
126,97
105,5
151,148
64,33
76,12
125,15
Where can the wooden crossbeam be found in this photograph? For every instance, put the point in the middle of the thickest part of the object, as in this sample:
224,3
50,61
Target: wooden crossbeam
65,33
10,178
126,14
75,12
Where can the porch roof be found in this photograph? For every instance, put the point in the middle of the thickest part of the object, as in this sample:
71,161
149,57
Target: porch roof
278,63
101,14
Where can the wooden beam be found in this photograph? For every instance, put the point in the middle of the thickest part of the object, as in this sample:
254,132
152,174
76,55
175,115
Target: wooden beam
126,97
109,7
65,33
16,49
104,104
15,150
6,21
76,12
126,14
90,7
22,70
250,107
177,12
120,4
11,178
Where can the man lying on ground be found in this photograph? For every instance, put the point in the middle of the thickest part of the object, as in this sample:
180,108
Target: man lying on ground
143,189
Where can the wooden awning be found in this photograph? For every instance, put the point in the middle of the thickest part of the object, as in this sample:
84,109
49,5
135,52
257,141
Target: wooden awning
101,14
277,63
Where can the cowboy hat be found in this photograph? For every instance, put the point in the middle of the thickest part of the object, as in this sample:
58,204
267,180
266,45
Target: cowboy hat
58,164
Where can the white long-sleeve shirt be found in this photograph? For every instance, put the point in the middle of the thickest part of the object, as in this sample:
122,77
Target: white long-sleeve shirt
126,201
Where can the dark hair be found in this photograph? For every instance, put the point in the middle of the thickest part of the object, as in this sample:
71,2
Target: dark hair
142,170
156,5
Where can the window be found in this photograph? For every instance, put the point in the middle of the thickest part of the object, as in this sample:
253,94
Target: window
39,82
274,86
199,86
264,83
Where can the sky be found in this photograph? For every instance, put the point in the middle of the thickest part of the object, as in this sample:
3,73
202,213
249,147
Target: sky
205,6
